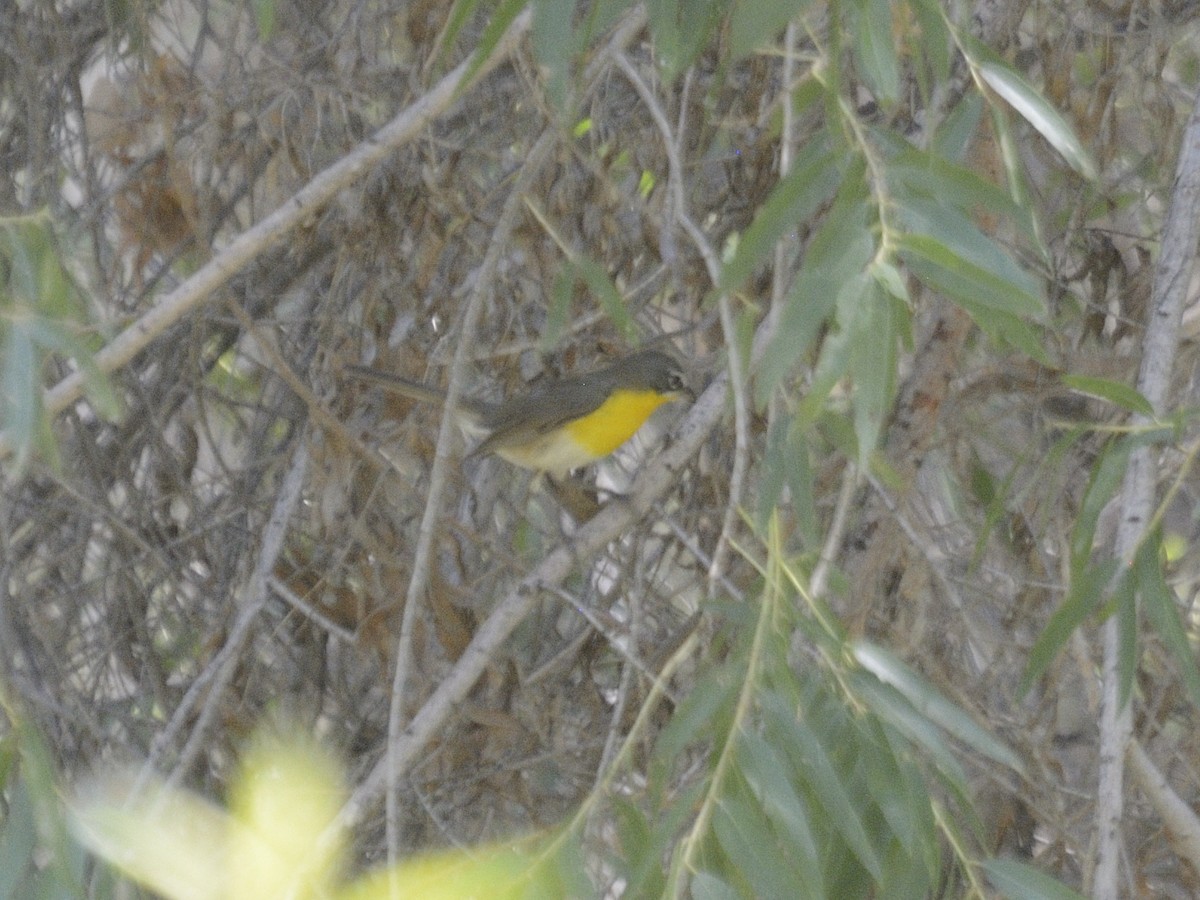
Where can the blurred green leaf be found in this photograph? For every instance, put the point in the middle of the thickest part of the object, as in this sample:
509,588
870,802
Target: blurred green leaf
936,43
1114,392
1104,481
820,777
599,283
954,134
872,337
504,13
264,18
681,29
745,835
752,23
18,841
706,885
842,247
876,50
1023,882
555,43
1087,591
927,700
944,198
1035,109
812,180
896,710
951,242
772,781
1162,612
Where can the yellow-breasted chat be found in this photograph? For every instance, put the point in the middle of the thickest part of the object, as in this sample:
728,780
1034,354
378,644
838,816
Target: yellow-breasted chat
563,424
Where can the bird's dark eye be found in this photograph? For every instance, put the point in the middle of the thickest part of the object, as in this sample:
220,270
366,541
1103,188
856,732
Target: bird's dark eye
676,382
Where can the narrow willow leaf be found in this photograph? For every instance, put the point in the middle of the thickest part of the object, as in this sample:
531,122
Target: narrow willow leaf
20,394
1087,591
1038,112
18,839
1114,392
819,776
506,12
951,241
928,701
762,860
709,886
812,180
1019,881
950,192
872,363
752,23
1106,476
554,43
935,43
876,51
598,282
772,782
58,337
841,248
1162,612
895,709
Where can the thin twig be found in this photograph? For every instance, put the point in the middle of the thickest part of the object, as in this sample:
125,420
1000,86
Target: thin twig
738,373
438,475
211,683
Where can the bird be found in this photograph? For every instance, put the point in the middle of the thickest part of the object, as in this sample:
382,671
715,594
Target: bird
564,424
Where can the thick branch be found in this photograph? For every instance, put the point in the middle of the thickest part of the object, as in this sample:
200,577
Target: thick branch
1181,233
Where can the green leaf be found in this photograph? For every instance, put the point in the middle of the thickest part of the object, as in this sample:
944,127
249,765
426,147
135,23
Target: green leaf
598,282
812,180
1035,109
955,133
18,840
58,337
895,709
20,392
929,702
706,885
1087,591
1106,476
697,718
935,43
681,29
1162,612
877,52
745,836
817,772
949,240
752,23
771,780
1023,882
950,196
559,311
265,18
872,337
1114,392
506,12
841,248
554,42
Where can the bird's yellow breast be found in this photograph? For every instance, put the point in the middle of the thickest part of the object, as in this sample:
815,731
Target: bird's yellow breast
612,423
